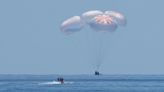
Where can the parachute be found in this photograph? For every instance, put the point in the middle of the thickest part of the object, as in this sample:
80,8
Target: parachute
87,16
71,25
117,17
98,21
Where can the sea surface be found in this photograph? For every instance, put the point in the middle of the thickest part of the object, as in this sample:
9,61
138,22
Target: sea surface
82,83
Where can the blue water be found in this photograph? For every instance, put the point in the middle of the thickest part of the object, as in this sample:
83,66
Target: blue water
82,83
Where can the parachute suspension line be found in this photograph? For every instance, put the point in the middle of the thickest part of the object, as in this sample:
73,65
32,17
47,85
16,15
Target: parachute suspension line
92,41
94,48
99,56
88,44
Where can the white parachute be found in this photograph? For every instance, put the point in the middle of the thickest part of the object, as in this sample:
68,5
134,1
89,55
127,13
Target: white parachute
117,17
97,20
87,16
72,24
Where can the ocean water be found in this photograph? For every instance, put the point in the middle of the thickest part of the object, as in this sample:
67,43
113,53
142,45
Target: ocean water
82,83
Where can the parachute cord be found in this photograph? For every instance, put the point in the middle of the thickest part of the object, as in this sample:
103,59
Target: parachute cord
100,51
94,46
89,48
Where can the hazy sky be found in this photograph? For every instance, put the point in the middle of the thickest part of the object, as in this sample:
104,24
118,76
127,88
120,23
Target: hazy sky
31,42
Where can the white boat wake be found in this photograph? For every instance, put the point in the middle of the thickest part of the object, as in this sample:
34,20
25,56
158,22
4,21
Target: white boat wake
55,83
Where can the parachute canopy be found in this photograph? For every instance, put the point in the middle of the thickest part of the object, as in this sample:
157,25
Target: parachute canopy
102,23
72,24
87,16
96,19
117,17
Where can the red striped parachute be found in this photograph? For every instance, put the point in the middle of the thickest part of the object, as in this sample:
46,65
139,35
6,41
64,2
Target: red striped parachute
97,20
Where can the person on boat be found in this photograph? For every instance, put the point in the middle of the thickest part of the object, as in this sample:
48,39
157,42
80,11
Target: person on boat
97,73
61,80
